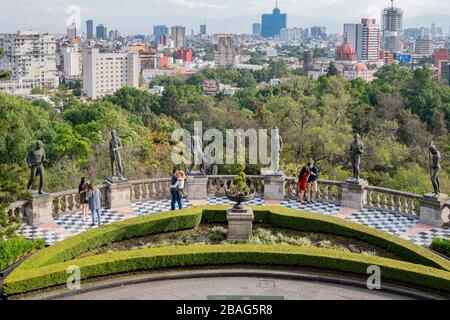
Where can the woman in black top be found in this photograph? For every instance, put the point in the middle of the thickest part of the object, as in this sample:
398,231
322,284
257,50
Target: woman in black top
84,199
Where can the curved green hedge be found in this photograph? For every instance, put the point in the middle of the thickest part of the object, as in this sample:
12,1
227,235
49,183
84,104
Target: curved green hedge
47,267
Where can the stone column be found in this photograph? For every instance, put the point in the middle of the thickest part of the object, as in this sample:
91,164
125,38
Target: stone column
39,210
240,223
118,194
354,194
274,187
434,209
197,187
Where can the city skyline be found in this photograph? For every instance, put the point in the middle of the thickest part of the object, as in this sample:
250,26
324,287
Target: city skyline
222,16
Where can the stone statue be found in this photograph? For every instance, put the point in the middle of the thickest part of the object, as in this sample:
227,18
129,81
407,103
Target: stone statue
435,168
277,148
115,145
36,159
198,165
356,151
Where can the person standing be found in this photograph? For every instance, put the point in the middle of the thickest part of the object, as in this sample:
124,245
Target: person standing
175,191
303,177
182,186
313,186
84,198
95,204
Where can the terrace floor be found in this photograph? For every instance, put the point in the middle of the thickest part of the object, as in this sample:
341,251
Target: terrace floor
405,227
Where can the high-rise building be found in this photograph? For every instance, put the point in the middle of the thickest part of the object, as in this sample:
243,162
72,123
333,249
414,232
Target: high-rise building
440,55
178,35
159,31
392,29
318,32
31,59
424,45
226,53
412,33
184,54
90,29
101,32
72,31
308,58
105,73
364,37
273,23
256,29
72,57
203,29
288,34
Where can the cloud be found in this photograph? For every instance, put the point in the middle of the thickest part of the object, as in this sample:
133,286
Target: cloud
194,5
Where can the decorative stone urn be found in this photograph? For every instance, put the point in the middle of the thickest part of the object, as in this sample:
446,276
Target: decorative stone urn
240,218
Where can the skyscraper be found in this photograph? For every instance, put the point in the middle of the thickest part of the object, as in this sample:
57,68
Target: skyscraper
226,56
308,58
178,36
392,29
256,30
364,37
273,23
203,29
72,31
90,29
101,32
160,30
318,32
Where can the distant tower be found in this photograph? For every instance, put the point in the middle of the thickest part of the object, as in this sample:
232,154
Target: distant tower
203,29
90,29
272,24
392,29
178,35
226,56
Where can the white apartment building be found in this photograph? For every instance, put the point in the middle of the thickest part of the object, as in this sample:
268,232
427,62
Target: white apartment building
73,61
178,35
364,37
424,45
31,58
105,73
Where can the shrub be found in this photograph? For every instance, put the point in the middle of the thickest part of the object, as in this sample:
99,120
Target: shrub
441,245
47,267
12,250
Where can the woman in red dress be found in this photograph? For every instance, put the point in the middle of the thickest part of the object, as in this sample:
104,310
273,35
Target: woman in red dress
303,177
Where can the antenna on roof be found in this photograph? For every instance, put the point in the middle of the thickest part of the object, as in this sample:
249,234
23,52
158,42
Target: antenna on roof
276,3
392,1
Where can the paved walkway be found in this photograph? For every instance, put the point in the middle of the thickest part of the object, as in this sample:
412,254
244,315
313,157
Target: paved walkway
235,288
405,227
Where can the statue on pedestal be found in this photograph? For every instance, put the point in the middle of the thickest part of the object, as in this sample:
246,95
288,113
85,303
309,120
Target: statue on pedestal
356,151
115,145
435,168
36,159
277,148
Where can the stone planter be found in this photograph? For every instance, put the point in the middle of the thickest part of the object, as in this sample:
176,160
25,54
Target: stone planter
240,218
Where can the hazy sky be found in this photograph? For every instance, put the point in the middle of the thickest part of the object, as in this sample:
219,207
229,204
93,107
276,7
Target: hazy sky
54,12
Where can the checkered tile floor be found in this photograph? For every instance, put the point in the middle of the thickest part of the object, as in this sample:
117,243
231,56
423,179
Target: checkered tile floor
319,207
425,238
33,233
384,221
145,208
226,201
75,224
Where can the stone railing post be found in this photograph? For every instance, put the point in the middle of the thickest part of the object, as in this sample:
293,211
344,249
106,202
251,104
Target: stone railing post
434,209
118,194
197,187
39,210
274,187
354,194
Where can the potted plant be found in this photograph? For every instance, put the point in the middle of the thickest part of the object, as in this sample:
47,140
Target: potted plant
240,191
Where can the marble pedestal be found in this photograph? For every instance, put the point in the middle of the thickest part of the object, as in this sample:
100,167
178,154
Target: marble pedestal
39,210
434,209
354,194
240,223
118,193
274,187
197,187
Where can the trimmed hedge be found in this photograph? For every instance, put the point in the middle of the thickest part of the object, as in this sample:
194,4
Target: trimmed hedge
200,255
441,245
47,267
12,250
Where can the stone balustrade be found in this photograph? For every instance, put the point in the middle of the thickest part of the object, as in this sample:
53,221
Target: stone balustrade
393,200
329,191
431,210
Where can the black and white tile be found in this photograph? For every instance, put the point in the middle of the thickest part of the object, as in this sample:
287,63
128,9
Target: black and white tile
330,209
226,201
155,206
34,233
426,237
384,220
75,224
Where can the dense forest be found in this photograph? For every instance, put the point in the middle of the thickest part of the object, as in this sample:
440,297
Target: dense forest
397,115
